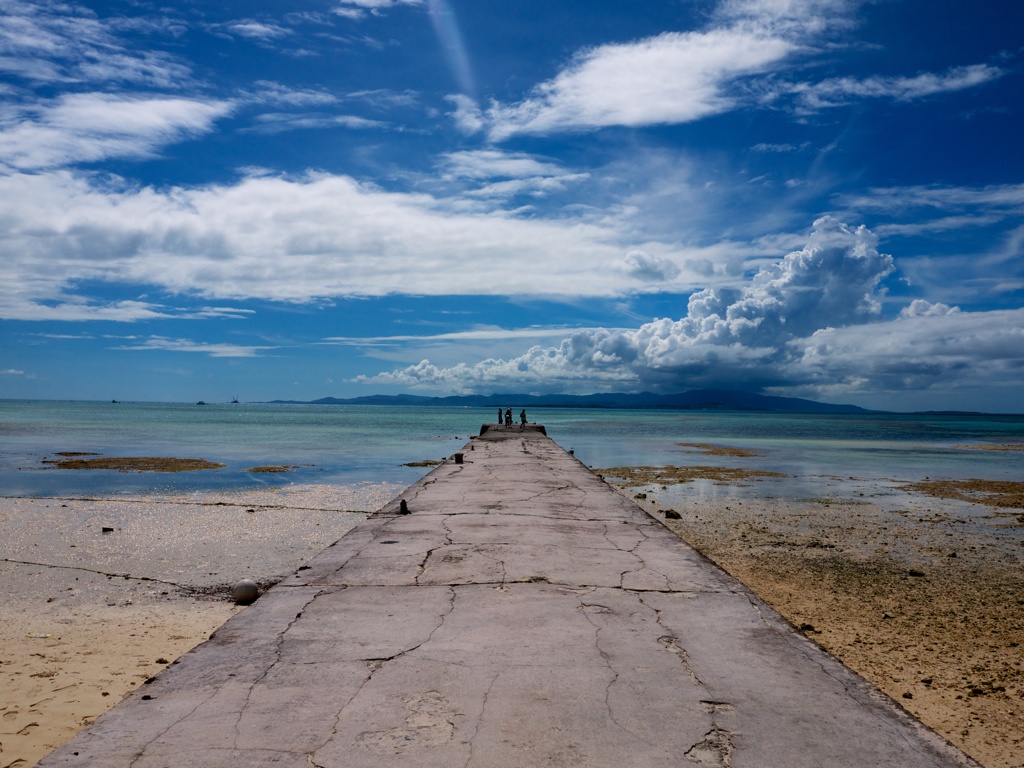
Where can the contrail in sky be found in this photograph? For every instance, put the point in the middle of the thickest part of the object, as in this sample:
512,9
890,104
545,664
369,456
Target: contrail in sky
447,29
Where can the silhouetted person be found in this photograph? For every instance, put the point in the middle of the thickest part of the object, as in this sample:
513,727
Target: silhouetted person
508,417
522,419
499,417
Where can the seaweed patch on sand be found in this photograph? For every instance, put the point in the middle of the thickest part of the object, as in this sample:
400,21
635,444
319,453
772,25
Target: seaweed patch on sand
135,464
710,449
275,468
424,463
633,477
927,608
992,493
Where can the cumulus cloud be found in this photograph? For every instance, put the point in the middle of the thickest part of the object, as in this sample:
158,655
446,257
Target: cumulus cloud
806,325
88,127
919,351
647,267
675,77
736,335
923,308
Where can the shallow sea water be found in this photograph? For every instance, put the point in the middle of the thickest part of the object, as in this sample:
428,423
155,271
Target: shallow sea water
371,444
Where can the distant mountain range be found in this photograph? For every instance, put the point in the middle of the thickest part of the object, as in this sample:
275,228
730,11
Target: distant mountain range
694,400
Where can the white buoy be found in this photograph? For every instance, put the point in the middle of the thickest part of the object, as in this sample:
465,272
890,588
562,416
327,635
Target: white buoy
245,591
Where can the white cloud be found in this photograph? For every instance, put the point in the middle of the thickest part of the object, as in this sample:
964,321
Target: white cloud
279,122
922,308
806,326
88,127
11,372
736,335
357,9
159,343
66,43
490,163
919,351
258,30
838,91
292,240
269,92
477,334
779,148
996,197
646,267
519,173
671,78
793,18
467,115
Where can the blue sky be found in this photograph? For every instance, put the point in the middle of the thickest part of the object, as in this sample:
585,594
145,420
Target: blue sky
809,198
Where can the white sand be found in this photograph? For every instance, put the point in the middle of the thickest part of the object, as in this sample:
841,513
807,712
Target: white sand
87,615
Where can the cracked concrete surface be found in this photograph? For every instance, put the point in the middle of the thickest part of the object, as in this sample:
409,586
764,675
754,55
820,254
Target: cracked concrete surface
522,614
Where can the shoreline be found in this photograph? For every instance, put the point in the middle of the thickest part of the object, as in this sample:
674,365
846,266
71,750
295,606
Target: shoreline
101,594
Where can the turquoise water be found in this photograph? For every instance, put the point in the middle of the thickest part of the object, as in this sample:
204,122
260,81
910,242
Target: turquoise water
349,444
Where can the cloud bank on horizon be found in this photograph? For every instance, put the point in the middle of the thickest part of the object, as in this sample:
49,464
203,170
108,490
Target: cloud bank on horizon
788,196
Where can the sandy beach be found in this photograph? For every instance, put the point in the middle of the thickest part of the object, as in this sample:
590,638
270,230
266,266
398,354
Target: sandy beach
923,596
101,594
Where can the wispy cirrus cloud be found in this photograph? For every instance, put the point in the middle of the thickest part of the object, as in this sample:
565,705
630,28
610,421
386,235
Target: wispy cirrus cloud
279,122
835,92
65,43
477,334
162,344
88,127
260,31
358,9
506,174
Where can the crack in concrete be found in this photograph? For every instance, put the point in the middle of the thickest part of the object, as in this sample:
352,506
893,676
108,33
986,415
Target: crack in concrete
607,660
140,753
715,749
672,645
375,664
480,718
277,658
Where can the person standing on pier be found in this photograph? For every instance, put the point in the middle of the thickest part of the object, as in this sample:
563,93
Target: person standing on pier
499,417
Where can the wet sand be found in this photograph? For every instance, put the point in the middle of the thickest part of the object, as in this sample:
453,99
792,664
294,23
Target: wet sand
101,594
921,595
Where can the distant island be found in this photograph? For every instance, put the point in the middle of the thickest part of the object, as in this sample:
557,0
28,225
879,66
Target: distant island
694,400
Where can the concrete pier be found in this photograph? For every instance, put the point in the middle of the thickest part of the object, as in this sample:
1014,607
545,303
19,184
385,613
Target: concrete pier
521,614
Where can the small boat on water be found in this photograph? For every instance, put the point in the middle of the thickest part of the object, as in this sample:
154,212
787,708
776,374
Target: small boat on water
201,402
